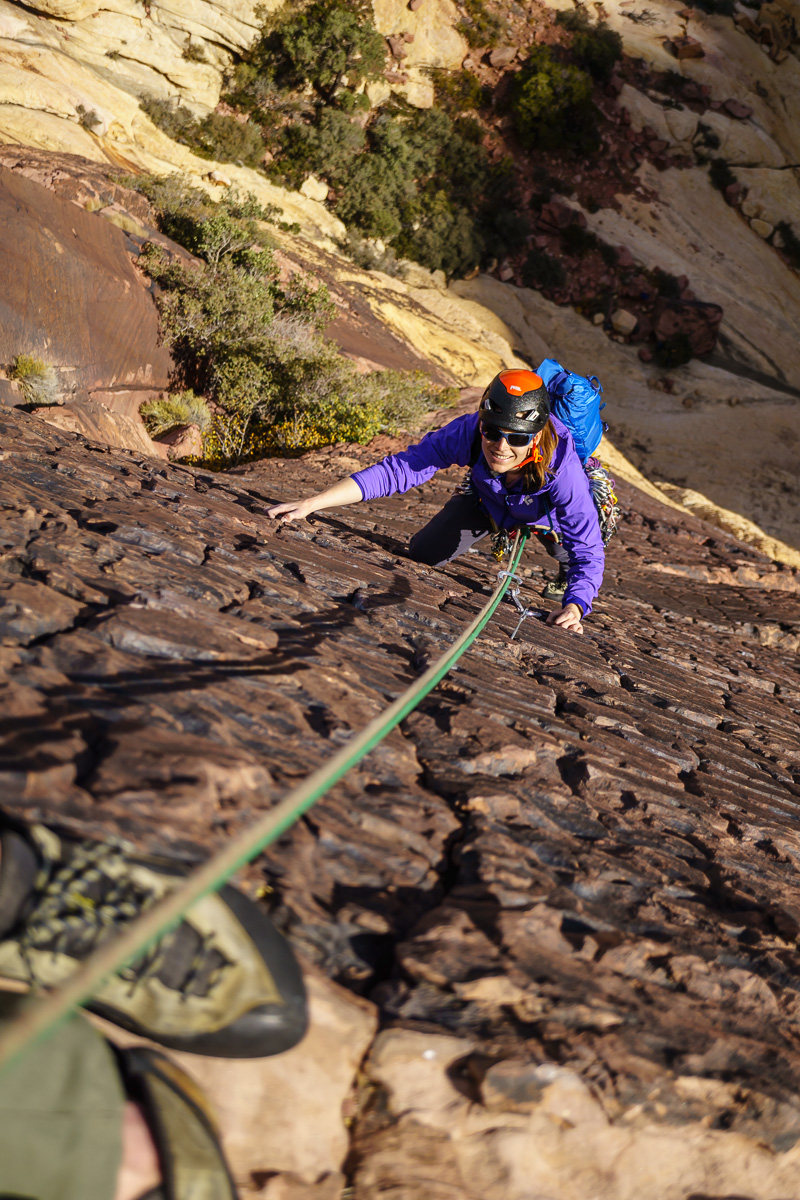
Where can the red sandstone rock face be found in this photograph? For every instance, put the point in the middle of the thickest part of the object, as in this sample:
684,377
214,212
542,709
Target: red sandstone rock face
71,294
699,322
579,853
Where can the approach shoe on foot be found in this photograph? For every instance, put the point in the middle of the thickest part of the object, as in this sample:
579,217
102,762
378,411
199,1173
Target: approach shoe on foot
224,982
554,590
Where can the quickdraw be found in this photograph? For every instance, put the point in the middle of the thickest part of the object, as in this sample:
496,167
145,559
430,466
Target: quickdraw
513,593
501,544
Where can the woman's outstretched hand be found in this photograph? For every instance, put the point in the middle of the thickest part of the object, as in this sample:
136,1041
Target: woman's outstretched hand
346,491
568,617
295,510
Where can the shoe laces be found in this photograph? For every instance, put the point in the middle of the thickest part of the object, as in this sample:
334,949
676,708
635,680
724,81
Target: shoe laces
80,902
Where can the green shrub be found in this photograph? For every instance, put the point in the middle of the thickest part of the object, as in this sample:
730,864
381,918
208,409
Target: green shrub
481,26
179,408
216,136
705,138
596,48
331,45
251,346
609,254
213,230
541,270
325,148
723,8
551,104
37,379
403,397
457,91
790,243
577,240
720,174
87,118
225,139
370,256
666,284
427,187
442,236
194,52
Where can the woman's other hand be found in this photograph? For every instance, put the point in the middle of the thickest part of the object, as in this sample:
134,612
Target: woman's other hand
295,510
568,617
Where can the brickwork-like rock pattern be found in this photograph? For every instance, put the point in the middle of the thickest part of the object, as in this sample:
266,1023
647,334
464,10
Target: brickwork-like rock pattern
577,851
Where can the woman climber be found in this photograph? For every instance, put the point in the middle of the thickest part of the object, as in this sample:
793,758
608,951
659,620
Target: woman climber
524,471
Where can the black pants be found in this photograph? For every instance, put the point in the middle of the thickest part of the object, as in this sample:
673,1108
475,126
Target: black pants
460,524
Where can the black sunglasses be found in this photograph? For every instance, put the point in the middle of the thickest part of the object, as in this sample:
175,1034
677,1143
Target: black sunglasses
493,434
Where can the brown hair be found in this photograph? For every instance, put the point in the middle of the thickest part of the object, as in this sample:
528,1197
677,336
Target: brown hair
536,473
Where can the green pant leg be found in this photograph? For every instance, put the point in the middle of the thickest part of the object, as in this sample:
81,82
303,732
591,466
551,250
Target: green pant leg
61,1110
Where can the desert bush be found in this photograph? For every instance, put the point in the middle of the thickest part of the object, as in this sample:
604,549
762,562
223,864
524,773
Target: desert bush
178,408
577,240
789,243
403,397
253,346
369,255
247,342
596,48
551,104
194,52
87,117
666,284
541,270
481,26
457,91
330,44
608,253
720,174
442,236
705,139
722,8
38,381
216,136
417,180
211,229
425,185
325,148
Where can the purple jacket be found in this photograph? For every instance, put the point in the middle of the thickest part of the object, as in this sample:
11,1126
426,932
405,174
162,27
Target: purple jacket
571,508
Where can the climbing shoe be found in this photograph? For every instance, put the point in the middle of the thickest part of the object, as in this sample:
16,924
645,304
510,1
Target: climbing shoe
223,983
555,589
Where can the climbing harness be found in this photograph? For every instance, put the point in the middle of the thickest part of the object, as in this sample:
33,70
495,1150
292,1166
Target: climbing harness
42,1017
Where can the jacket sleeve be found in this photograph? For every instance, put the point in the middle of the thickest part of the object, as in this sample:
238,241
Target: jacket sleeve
576,515
446,447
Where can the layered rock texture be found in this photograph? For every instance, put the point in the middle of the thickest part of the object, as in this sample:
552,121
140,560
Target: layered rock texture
566,887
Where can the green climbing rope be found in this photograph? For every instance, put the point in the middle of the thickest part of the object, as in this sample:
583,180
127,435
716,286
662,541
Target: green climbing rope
44,1016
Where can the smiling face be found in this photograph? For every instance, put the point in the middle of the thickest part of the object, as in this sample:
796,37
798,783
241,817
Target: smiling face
501,457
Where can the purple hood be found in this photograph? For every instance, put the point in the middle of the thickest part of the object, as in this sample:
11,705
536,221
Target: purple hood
567,495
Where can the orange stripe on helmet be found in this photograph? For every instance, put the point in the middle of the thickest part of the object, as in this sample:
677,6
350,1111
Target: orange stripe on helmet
520,382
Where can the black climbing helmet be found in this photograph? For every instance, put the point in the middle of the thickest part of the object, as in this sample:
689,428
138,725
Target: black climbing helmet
517,401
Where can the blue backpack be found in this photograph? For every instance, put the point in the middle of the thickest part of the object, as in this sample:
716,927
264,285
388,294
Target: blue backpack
575,400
